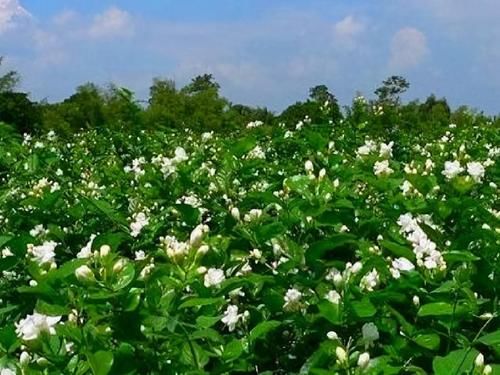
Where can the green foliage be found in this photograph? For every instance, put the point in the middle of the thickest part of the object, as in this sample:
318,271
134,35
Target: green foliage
322,249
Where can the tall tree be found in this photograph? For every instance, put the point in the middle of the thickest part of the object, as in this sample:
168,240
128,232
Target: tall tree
9,80
391,90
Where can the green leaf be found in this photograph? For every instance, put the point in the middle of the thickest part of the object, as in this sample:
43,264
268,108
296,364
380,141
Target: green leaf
263,329
4,240
364,308
457,362
113,240
429,341
398,250
269,231
443,309
455,256
242,146
8,262
124,277
101,362
491,339
319,249
207,321
436,309
198,302
330,312
232,351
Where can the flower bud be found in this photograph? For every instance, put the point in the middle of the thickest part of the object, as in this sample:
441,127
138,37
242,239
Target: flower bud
332,335
203,249
235,213
42,361
338,280
488,370
84,273
118,266
309,167
479,361
341,354
322,173
24,359
486,316
104,251
416,301
364,360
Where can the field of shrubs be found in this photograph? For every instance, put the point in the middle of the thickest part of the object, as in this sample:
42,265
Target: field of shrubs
300,249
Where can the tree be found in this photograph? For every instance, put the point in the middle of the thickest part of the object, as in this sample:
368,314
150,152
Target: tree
391,89
9,80
200,83
121,108
166,105
327,100
85,108
16,109
205,108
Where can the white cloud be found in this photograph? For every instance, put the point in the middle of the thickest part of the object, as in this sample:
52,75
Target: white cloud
66,17
348,28
114,22
10,12
346,33
408,48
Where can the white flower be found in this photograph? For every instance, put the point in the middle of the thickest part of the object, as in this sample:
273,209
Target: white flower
488,370
180,155
386,150
333,296
369,147
370,280
6,252
370,333
401,264
30,327
140,221
256,153
364,360
452,169
86,251
175,249
475,170
7,371
43,254
214,277
38,230
253,214
292,299
382,168
254,124
231,317
140,255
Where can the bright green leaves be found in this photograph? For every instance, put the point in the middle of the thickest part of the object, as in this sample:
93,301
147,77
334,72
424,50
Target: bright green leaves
101,362
457,362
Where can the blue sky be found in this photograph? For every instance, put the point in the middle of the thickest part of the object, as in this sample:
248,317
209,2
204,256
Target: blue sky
262,52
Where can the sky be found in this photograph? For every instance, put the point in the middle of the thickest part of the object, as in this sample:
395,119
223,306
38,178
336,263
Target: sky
262,52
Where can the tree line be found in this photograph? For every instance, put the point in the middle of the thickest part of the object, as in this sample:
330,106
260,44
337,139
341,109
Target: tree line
200,106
